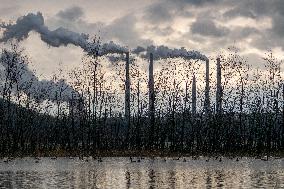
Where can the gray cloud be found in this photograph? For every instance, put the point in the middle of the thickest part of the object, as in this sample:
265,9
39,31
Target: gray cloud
207,27
163,31
236,12
243,32
123,29
4,10
278,25
159,13
158,18
165,11
72,13
258,9
197,2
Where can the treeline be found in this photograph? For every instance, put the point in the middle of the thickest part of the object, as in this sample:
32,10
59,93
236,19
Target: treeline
128,112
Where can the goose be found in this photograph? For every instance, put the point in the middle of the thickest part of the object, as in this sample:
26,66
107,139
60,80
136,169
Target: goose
131,159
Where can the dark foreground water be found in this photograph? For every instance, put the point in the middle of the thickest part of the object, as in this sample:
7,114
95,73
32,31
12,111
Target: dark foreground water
121,173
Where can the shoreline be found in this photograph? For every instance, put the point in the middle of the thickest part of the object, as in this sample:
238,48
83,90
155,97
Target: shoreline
144,153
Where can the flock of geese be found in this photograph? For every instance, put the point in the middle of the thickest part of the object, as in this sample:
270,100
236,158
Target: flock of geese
139,159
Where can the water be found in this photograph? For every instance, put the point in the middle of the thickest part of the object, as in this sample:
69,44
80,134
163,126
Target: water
121,173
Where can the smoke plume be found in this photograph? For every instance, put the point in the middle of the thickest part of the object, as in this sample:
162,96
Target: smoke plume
59,37
163,52
17,72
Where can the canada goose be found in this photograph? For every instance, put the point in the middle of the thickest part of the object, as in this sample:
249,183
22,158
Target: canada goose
131,159
100,159
265,158
6,160
184,160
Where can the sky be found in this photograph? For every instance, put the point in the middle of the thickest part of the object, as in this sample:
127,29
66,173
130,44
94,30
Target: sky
209,26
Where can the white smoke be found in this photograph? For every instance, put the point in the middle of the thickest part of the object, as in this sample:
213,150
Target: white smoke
59,37
17,72
163,52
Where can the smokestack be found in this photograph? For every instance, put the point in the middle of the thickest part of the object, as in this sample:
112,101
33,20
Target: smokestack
151,96
219,88
127,92
193,96
207,88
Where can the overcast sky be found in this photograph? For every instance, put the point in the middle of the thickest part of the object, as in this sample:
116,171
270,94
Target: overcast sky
209,26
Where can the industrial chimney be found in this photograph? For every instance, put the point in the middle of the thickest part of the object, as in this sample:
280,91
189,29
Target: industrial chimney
193,95
207,88
127,92
219,88
151,97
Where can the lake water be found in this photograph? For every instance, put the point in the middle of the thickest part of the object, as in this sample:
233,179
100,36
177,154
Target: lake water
149,173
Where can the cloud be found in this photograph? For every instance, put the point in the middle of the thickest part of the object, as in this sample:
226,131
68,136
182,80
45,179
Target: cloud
238,12
159,13
207,27
197,2
260,9
212,23
71,14
242,32
124,30
165,11
4,10
278,25
163,31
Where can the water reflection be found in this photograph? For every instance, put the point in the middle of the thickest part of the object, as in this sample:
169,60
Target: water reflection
121,173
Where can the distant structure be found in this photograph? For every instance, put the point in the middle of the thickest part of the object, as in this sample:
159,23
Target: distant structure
151,96
207,88
193,96
219,88
127,92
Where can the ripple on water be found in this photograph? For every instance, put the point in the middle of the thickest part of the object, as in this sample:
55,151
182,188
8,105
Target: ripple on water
121,173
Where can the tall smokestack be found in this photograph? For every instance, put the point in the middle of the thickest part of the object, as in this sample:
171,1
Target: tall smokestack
193,96
207,88
127,92
219,88
151,97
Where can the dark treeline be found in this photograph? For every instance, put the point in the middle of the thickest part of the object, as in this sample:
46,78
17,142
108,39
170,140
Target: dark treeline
170,116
